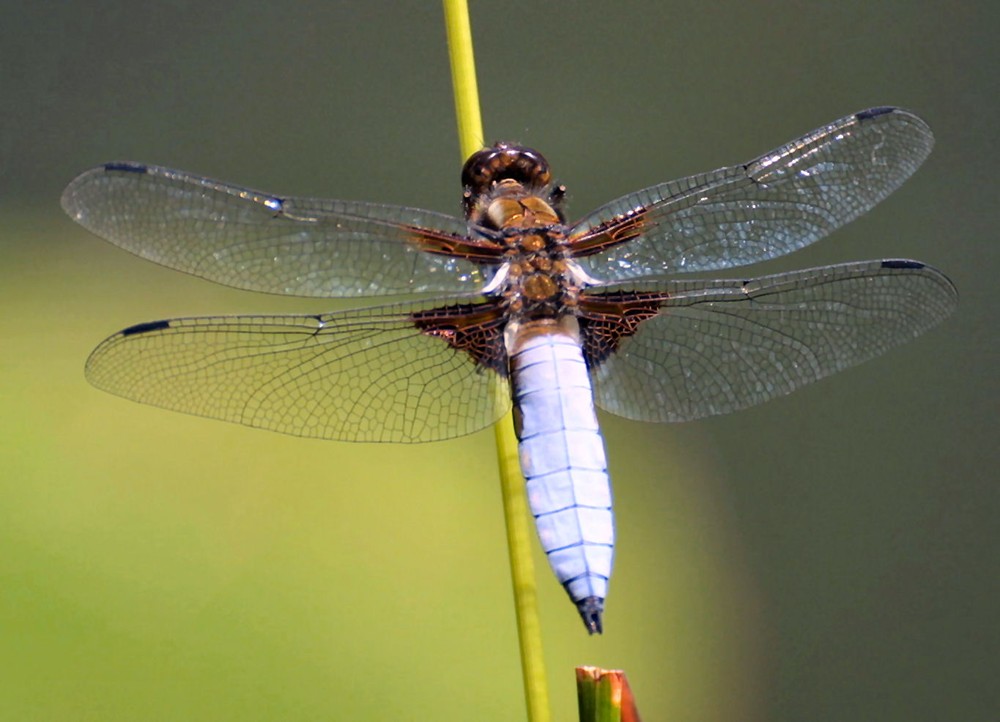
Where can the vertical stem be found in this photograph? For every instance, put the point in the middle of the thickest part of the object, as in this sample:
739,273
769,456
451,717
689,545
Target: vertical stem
522,572
470,132
463,77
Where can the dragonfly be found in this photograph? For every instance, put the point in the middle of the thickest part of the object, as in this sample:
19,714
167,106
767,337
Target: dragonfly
514,307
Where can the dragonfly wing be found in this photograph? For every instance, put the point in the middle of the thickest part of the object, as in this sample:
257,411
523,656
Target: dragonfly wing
700,348
262,242
398,373
778,203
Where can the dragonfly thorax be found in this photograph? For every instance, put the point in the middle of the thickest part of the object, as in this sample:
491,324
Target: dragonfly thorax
535,279
538,279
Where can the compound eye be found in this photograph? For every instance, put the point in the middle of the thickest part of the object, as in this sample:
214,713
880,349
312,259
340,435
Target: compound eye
530,167
504,161
479,169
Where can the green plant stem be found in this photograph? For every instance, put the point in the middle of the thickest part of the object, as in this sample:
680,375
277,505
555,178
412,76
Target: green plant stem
470,133
604,695
463,77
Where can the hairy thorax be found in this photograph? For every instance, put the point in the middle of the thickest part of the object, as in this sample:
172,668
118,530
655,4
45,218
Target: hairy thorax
509,190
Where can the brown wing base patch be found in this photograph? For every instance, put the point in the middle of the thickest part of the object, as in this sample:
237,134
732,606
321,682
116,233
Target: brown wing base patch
606,319
477,250
476,329
614,232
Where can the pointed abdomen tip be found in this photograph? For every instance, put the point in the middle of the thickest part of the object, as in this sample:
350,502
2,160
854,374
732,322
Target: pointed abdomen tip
591,609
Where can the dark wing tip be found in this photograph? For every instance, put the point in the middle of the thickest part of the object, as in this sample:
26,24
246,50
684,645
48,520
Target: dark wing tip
906,264
895,114
71,200
144,328
902,263
590,611
126,166
869,113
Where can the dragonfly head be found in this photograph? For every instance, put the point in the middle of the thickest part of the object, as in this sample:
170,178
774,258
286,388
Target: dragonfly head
507,168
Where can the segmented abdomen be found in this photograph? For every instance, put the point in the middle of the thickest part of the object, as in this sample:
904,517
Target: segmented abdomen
563,460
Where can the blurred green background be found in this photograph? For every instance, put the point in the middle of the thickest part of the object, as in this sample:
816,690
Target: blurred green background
828,556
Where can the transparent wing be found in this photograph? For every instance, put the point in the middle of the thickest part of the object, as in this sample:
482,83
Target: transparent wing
365,375
261,242
719,346
778,203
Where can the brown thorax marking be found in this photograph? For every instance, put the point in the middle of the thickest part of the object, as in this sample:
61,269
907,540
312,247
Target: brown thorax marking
509,189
